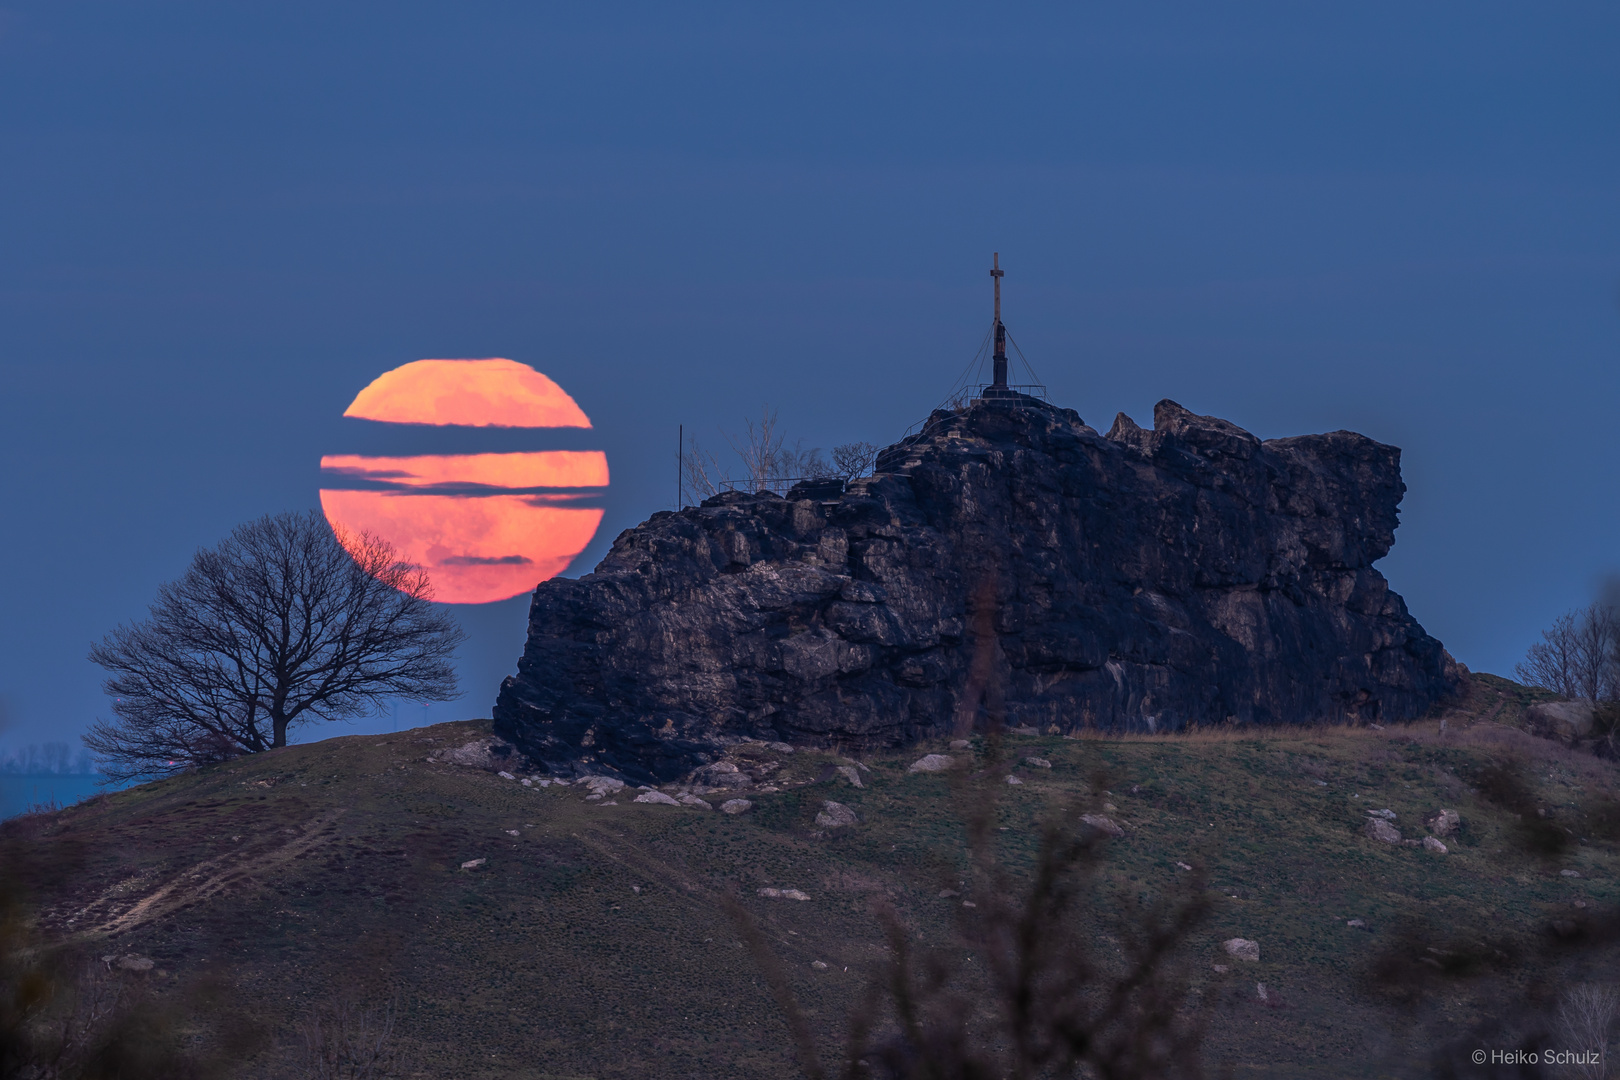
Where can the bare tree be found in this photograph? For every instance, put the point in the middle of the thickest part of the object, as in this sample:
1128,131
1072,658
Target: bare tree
1585,1018
760,448
1577,656
768,462
284,623
801,464
703,474
852,460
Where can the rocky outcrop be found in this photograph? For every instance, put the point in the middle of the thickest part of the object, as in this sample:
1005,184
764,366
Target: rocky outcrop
1005,565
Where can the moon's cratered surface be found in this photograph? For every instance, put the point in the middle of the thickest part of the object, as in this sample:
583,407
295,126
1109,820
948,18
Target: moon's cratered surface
485,526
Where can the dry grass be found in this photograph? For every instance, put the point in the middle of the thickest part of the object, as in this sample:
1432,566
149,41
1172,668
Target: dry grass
593,943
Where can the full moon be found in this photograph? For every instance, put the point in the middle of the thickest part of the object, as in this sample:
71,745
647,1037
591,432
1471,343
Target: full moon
485,526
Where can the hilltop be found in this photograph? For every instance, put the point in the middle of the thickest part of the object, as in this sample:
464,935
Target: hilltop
591,940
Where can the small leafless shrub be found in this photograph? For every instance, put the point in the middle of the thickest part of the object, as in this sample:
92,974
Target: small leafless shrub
1022,990
345,1042
1586,1014
853,460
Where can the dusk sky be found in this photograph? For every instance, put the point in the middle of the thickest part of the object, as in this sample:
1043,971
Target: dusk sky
220,222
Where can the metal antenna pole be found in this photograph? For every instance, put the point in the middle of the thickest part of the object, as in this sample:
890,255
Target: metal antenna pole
999,372
680,452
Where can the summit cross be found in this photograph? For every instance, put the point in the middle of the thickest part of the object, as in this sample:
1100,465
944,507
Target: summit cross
999,372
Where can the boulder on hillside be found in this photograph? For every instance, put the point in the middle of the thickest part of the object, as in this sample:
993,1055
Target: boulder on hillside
657,798
1382,831
1102,824
835,815
1443,822
931,763
1134,581
1242,949
491,752
1567,720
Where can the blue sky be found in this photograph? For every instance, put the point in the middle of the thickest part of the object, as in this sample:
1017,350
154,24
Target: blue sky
219,221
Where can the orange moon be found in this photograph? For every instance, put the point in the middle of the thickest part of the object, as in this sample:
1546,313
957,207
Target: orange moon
475,522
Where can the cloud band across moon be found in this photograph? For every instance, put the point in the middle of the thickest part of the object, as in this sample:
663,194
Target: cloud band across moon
485,525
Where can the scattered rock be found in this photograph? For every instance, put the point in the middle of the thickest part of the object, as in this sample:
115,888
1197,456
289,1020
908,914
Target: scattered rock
1410,843
722,774
656,797
526,782
474,864
771,894
1013,780
490,752
134,962
1443,822
1109,808
693,800
794,894
969,903
961,744
947,894
1242,949
849,772
1221,969
736,806
603,785
1431,844
1567,719
504,775
1386,814
511,832
1382,831
931,763
818,965
1183,866
1260,992
1037,763
1569,873
598,795
1102,824
1355,924
835,816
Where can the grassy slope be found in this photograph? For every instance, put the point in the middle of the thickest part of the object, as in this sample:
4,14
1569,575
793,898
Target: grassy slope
333,869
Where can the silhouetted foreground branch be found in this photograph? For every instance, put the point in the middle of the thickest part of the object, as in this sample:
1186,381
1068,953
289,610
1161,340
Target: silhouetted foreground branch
1022,991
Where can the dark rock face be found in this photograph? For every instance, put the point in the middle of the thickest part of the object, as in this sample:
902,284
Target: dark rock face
1006,565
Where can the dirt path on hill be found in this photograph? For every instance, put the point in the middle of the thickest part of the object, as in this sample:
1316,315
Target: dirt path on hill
201,882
